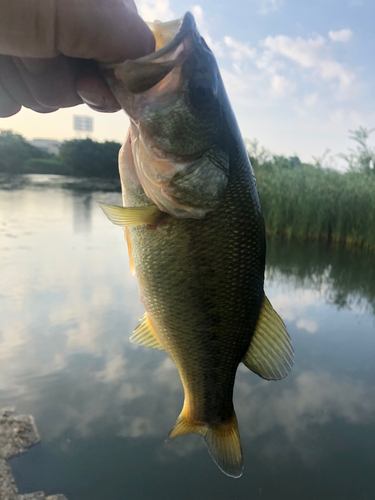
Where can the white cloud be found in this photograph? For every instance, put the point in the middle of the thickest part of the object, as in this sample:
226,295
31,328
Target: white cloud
289,306
200,20
313,53
280,86
312,399
267,6
308,325
197,12
311,99
114,369
159,10
239,50
341,36
337,117
356,118
303,52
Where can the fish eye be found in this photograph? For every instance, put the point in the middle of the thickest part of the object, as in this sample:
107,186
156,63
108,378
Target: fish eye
202,94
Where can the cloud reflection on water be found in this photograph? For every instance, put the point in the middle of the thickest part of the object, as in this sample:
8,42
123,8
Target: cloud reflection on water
69,309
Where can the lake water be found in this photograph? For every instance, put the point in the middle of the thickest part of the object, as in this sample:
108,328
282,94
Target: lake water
103,406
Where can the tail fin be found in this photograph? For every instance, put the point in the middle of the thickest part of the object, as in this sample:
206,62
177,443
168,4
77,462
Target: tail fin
224,445
222,440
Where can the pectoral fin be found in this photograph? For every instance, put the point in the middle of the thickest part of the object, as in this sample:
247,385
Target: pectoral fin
271,353
132,216
146,335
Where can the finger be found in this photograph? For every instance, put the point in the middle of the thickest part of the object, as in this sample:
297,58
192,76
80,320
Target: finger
109,31
8,106
106,30
13,83
27,29
93,90
51,82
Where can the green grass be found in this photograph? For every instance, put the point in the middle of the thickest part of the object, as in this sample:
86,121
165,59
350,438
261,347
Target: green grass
310,203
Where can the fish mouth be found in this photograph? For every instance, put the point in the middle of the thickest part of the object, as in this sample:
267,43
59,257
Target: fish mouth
180,28
183,171
140,75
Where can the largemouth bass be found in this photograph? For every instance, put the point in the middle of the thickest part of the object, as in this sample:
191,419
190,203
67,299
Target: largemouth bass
195,234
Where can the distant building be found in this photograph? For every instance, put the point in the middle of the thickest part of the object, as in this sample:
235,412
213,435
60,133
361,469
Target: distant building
83,123
48,145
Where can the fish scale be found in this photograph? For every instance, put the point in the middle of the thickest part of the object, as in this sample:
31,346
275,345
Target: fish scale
195,235
204,291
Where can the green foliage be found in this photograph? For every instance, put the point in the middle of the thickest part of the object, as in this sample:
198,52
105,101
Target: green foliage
46,166
300,201
363,157
84,158
89,158
310,203
15,151
258,154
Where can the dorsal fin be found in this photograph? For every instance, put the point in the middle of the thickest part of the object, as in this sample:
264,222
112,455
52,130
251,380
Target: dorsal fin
271,353
146,335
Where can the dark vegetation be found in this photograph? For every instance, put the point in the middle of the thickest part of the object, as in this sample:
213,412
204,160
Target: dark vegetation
15,153
345,278
308,202
299,201
81,158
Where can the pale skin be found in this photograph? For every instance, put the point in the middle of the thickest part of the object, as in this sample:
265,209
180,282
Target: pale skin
50,50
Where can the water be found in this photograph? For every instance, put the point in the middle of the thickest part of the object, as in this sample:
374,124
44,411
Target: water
104,406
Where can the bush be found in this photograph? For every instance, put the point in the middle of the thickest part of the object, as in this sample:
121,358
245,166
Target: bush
310,203
89,158
46,166
15,151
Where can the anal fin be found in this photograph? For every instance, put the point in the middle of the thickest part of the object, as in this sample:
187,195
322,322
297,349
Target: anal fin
146,335
271,353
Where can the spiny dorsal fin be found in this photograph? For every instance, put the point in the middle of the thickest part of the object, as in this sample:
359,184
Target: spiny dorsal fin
130,251
271,353
132,216
146,335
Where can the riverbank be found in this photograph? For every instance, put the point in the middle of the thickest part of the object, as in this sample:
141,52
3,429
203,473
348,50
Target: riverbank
17,434
300,201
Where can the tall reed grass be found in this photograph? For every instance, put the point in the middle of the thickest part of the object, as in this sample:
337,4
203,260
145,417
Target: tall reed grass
310,203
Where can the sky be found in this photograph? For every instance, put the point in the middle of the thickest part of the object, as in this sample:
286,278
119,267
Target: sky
299,74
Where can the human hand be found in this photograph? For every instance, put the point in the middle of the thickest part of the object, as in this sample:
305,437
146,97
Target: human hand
49,51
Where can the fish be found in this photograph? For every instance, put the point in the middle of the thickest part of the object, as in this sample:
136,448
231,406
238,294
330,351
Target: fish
195,233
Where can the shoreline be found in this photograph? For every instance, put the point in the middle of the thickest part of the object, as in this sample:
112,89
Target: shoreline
17,434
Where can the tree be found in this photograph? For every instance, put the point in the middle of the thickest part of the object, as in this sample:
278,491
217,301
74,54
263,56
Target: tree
88,158
15,151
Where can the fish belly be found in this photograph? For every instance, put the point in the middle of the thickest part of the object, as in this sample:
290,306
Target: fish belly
201,282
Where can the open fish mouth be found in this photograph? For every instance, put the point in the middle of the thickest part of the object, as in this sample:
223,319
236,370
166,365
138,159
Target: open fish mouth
172,99
141,74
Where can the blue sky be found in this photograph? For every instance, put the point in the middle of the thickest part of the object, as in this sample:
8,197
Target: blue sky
299,74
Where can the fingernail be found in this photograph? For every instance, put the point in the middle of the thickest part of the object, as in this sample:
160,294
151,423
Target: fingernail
95,100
